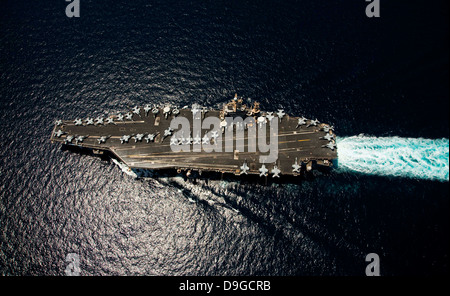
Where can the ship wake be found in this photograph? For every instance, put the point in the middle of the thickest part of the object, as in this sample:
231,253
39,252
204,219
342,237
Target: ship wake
394,156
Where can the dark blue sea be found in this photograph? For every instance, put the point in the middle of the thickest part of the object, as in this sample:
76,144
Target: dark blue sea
384,77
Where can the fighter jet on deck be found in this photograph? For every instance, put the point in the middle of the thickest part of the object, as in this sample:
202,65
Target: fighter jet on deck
244,168
197,140
129,116
150,137
68,139
206,140
296,167
59,133
173,141
330,145
313,122
147,109
301,121
263,171
327,128
168,132
138,137
102,139
137,110
98,120
328,137
80,139
276,172
124,139
281,113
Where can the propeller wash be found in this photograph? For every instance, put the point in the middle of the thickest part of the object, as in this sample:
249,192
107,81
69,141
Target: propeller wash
394,156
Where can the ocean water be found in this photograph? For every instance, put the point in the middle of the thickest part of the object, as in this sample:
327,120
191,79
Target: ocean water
385,77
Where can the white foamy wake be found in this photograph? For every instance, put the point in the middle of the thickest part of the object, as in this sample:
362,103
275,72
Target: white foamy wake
395,156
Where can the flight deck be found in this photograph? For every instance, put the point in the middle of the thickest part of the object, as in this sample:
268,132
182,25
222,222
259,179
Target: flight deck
143,139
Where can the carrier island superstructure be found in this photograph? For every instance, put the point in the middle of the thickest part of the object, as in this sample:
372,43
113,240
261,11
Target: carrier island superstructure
142,141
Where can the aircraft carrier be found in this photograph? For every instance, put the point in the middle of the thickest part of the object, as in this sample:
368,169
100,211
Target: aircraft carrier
142,140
